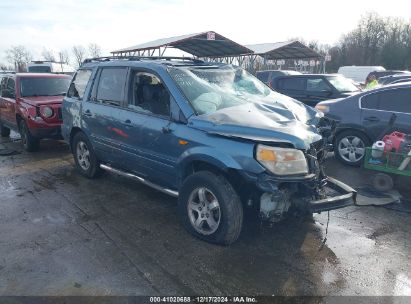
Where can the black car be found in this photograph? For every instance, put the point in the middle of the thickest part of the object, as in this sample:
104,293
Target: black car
268,76
313,88
364,118
394,79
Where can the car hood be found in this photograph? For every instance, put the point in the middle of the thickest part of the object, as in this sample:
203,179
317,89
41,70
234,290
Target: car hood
42,100
284,122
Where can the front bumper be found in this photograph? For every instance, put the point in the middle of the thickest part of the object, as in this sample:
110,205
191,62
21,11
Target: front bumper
52,133
346,198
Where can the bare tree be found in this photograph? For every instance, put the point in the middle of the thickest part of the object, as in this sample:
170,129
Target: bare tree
63,56
4,67
48,55
79,53
94,50
19,56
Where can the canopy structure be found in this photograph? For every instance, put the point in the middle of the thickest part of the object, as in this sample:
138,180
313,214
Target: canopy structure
284,50
211,46
205,44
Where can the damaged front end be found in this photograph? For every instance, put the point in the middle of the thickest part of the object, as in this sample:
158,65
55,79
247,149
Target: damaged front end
312,192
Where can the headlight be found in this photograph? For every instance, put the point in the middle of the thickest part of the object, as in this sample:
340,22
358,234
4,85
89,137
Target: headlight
322,108
46,112
282,161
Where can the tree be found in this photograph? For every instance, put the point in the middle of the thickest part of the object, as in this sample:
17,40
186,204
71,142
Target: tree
18,56
48,55
63,56
375,41
94,50
5,67
79,53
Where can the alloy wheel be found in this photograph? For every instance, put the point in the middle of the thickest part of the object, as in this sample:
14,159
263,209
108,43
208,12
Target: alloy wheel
204,211
351,149
83,155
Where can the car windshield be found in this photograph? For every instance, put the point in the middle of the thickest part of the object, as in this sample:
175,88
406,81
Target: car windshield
342,84
43,86
210,89
39,69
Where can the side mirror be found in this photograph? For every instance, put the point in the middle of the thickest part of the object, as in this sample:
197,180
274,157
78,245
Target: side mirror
327,92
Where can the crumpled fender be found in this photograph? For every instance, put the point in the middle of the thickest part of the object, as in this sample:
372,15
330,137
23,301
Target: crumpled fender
208,155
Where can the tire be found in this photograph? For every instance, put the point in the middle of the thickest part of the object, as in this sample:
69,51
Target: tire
4,132
354,143
382,182
85,159
225,216
30,143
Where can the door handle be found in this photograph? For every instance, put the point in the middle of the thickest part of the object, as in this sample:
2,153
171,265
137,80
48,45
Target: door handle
372,119
87,113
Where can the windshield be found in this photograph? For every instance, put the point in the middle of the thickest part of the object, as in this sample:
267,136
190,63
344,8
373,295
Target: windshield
39,69
342,84
210,89
43,86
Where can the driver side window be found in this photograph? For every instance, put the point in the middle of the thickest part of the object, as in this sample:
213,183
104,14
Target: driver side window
148,94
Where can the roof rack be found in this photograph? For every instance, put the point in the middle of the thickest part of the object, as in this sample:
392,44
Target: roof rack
138,58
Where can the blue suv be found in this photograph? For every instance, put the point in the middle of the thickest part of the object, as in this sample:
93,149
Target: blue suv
208,133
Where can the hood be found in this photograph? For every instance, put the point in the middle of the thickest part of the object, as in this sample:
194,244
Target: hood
283,122
42,100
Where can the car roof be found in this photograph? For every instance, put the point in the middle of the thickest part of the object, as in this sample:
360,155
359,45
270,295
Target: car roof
38,75
402,75
155,61
406,84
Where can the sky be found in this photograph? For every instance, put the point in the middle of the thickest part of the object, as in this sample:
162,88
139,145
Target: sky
115,24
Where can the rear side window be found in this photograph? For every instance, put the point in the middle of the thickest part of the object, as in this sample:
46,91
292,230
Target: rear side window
79,84
297,84
398,100
111,85
370,101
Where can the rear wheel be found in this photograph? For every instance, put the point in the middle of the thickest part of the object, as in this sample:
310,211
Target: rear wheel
5,132
85,159
210,208
350,147
30,143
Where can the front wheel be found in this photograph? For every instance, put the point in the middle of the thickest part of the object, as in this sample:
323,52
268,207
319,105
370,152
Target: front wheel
30,143
85,159
210,208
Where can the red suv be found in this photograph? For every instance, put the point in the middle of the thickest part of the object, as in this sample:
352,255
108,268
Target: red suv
31,104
